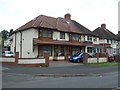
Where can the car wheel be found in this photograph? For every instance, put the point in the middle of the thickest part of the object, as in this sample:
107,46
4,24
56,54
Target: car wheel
78,61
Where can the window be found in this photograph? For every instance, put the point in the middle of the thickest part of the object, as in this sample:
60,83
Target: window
45,49
75,50
62,35
45,33
107,41
65,22
74,36
89,38
61,51
95,39
89,49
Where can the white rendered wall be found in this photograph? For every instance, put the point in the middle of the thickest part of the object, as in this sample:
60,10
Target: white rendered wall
27,43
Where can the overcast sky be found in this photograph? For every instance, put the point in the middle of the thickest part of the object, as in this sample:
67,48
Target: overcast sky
89,13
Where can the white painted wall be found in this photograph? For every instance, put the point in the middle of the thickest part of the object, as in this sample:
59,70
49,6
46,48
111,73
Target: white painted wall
96,42
13,43
103,41
18,42
27,43
7,59
31,61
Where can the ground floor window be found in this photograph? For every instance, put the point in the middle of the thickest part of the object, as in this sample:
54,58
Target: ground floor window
89,49
61,51
75,50
45,49
93,50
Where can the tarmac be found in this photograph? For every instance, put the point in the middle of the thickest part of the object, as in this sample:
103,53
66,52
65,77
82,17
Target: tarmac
60,69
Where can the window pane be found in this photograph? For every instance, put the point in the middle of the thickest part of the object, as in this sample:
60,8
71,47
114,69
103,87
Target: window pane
45,49
62,35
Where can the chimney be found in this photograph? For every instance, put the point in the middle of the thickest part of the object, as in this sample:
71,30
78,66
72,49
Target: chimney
119,32
103,26
67,16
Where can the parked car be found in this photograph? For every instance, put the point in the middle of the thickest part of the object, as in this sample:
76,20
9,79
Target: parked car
78,57
111,58
7,53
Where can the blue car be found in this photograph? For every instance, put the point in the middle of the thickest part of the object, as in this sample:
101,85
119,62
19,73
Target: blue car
78,57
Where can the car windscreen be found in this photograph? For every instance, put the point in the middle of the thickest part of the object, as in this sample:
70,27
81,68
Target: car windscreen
10,52
77,54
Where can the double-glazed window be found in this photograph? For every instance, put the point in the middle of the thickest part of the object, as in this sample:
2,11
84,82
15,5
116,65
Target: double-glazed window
45,49
62,35
95,39
75,50
89,38
46,33
74,37
89,49
61,51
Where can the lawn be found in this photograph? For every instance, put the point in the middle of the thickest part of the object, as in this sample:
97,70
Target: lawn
108,64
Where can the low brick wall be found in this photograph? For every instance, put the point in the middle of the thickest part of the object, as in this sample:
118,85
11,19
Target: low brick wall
59,58
25,61
7,59
95,59
117,58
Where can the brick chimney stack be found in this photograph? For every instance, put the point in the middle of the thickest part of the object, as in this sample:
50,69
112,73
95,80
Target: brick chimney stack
67,16
119,32
103,26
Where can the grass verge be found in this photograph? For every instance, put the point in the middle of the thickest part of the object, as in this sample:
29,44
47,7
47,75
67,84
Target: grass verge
108,64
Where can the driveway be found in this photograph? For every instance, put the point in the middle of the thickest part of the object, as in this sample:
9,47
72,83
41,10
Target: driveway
62,64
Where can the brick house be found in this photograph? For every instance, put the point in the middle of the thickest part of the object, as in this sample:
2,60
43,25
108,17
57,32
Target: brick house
60,37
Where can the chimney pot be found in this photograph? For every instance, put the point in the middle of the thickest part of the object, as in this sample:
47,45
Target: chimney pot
119,32
67,16
103,26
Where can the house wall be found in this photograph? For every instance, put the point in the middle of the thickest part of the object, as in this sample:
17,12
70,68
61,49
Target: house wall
96,42
13,43
56,36
27,43
18,42
103,41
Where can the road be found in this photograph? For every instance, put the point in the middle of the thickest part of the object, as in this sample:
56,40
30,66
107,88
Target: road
28,77
28,81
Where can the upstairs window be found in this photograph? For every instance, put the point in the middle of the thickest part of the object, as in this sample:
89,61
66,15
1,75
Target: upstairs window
62,35
95,39
89,38
45,33
74,36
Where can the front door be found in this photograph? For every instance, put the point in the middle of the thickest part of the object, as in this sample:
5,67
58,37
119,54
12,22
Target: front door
67,52
62,51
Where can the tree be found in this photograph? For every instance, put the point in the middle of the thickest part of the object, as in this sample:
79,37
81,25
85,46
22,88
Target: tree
4,34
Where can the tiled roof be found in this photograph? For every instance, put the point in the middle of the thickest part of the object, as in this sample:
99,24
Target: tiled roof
118,36
60,24
104,33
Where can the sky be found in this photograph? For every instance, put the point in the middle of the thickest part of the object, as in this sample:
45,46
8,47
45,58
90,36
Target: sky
89,13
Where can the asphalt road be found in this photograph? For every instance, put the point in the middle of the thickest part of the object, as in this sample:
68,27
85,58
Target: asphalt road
21,81
28,77
73,69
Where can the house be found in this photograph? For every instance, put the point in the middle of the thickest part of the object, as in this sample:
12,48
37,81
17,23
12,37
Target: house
107,39
118,46
60,37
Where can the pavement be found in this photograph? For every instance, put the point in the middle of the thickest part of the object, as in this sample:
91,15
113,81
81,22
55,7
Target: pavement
60,68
